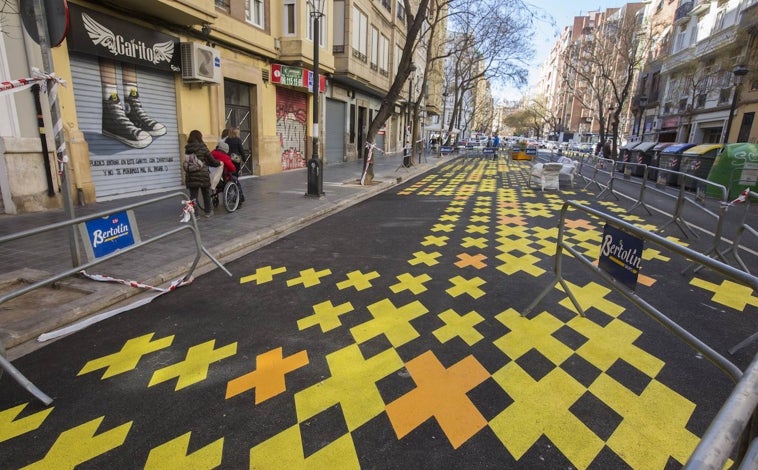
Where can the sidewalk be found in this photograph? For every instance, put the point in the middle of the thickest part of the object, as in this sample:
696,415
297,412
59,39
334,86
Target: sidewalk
275,205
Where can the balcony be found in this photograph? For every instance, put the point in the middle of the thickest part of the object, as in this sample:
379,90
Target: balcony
188,12
683,10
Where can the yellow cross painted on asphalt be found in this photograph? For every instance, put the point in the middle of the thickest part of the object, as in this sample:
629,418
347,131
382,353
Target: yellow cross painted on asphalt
435,240
263,275
325,315
462,286
480,218
443,227
360,281
393,322
461,326
127,359
655,423
349,371
194,368
728,293
173,454
469,242
309,277
591,295
513,264
449,217
11,427
650,254
429,259
543,408
412,283
482,229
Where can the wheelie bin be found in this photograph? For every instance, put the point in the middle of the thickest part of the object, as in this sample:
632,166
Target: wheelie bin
735,167
670,159
697,161
652,173
642,154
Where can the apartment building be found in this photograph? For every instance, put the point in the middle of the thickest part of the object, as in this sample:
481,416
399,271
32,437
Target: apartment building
141,74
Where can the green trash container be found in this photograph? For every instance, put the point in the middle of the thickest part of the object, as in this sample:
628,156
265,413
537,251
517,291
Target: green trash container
697,161
735,167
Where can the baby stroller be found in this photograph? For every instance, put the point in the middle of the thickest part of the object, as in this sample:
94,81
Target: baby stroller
224,190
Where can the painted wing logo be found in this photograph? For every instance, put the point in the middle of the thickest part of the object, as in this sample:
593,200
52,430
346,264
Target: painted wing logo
163,51
99,34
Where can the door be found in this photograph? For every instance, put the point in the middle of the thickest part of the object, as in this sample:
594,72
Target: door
335,131
238,113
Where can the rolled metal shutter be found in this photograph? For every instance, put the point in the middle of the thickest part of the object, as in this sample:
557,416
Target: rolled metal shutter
335,131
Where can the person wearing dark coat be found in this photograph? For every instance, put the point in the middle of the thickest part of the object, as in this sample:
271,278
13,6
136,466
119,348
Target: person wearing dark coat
200,179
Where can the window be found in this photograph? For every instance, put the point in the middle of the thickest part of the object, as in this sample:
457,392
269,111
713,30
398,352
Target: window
360,34
289,18
321,26
400,11
223,4
384,56
254,12
374,48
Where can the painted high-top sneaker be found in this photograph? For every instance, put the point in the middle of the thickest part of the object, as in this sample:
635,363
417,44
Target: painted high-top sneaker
139,117
117,125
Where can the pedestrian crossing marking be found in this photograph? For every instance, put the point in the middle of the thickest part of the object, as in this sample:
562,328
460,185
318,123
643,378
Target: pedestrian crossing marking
281,451
434,240
728,293
440,393
80,444
309,277
543,407
351,385
194,368
422,257
654,425
591,295
263,275
393,322
462,286
173,455
475,261
11,427
268,378
360,281
326,315
126,359
412,283
461,326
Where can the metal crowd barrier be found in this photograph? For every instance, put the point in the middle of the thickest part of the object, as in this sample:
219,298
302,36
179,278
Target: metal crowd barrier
200,249
729,425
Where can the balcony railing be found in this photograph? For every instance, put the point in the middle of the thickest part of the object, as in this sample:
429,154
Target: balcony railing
683,10
359,55
338,49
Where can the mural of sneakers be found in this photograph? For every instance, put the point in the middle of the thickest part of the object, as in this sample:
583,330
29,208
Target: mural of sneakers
139,117
118,126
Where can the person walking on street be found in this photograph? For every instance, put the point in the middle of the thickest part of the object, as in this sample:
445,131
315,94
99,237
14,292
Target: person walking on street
496,145
199,179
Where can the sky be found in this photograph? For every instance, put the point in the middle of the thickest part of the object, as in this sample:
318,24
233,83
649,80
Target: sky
563,12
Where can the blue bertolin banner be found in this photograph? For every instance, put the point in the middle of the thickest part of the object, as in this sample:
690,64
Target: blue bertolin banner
621,255
109,234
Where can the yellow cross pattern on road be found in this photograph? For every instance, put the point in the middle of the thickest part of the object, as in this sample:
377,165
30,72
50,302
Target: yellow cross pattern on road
326,315
194,368
360,281
126,359
412,283
309,277
728,293
461,286
263,275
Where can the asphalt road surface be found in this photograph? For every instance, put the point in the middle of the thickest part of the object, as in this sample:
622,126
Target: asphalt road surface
390,336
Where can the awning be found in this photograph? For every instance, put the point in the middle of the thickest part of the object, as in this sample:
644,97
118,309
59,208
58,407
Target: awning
702,149
644,146
628,145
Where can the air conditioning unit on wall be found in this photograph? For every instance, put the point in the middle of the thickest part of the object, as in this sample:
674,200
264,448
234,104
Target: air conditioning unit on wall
200,63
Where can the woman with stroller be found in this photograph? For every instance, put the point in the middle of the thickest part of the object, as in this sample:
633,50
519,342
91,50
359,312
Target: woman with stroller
221,153
200,179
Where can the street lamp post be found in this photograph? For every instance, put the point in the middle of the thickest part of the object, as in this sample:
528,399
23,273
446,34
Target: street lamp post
739,74
315,175
409,129
442,122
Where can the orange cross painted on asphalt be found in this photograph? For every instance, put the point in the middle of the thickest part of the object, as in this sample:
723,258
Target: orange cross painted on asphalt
440,394
268,378
476,261
580,223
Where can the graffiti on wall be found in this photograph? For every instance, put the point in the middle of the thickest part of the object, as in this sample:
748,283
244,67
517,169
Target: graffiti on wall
291,114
